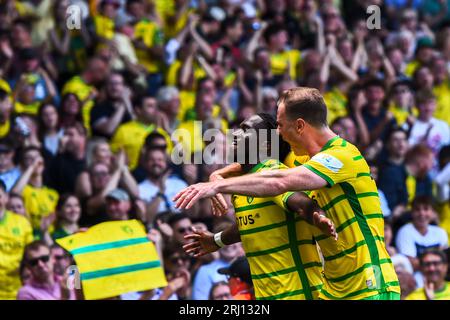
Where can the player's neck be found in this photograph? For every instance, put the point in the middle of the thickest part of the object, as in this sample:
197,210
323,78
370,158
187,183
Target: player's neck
317,139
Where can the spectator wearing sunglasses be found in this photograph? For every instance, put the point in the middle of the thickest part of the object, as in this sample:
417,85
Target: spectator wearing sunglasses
181,225
434,267
62,259
44,284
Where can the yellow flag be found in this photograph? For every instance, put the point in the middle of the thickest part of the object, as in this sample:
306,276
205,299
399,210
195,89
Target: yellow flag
115,258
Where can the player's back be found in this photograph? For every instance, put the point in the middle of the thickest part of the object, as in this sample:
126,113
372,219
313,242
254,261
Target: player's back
357,265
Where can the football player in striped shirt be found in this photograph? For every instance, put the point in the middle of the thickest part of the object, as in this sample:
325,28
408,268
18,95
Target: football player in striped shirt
357,266
278,242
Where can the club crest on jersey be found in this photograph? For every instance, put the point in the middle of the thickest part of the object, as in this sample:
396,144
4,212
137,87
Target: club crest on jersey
250,200
328,161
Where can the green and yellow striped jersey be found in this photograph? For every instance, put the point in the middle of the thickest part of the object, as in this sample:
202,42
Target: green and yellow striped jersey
356,266
279,245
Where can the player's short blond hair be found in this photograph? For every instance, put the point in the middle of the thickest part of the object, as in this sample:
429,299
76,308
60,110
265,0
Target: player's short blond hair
305,103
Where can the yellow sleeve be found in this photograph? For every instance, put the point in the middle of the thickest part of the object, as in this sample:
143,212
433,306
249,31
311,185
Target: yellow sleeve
28,230
281,199
26,192
331,165
172,73
294,63
117,140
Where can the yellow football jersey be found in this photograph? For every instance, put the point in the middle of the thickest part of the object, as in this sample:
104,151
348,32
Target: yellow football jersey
336,103
442,93
82,90
279,245
131,137
401,115
39,203
357,265
280,62
104,27
15,234
419,294
151,35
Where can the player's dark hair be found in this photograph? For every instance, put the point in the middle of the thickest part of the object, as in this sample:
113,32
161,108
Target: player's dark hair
269,123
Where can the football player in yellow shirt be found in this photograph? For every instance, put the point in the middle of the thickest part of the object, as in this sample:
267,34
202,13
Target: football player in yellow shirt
286,264
15,234
357,265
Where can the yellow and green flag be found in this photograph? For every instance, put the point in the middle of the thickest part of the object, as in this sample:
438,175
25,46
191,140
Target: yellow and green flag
115,258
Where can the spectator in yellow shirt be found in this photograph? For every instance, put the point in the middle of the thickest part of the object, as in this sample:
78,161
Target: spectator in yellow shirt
104,21
434,266
441,88
84,86
283,62
402,104
148,43
15,234
40,201
131,136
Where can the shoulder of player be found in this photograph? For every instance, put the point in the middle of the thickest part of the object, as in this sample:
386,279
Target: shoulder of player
269,164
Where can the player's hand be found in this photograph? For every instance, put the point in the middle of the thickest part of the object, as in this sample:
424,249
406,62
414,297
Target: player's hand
218,200
203,243
218,209
187,197
325,225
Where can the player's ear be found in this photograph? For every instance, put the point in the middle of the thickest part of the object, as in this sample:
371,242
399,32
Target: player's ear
300,123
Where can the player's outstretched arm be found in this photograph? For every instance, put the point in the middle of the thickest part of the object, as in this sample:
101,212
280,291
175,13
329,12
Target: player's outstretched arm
261,184
204,242
231,170
309,210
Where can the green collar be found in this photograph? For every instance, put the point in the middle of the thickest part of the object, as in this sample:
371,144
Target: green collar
443,289
5,216
329,142
259,166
